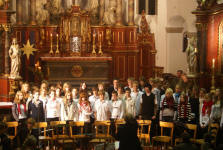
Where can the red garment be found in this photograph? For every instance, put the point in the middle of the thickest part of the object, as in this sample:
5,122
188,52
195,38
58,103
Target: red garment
85,105
169,102
206,107
19,109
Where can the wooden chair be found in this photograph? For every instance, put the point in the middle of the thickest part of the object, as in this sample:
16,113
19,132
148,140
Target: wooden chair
215,127
162,138
43,137
13,125
59,134
192,127
142,124
105,135
118,123
79,124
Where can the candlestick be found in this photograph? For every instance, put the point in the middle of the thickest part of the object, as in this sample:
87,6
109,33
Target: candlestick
51,43
213,63
57,50
100,46
93,47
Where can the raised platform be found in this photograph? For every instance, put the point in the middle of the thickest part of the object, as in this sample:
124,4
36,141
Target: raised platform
77,69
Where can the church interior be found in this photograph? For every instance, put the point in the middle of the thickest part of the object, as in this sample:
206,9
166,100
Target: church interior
89,48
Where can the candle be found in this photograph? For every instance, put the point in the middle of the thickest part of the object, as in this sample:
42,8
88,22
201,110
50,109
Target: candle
195,50
213,63
100,38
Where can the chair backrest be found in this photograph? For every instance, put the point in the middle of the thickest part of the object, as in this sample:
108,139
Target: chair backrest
106,124
41,125
118,123
76,124
13,125
213,128
169,125
143,123
56,125
192,127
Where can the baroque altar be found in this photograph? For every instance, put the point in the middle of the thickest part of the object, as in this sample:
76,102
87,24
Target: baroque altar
82,44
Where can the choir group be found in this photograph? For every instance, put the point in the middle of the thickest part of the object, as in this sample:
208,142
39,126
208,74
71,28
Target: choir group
150,100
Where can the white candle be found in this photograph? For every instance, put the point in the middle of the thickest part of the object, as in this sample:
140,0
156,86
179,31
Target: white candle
213,63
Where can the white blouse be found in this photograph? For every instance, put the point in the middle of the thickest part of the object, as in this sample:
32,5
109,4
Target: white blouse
53,108
102,108
117,110
69,112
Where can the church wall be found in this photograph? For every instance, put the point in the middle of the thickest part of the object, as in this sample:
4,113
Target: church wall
166,42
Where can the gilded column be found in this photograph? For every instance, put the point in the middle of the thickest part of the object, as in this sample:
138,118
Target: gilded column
119,13
101,11
201,24
33,12
19,12
131,12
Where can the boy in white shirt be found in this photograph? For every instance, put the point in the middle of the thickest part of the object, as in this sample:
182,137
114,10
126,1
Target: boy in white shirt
101,87
136,95
130,105
117,110
102,108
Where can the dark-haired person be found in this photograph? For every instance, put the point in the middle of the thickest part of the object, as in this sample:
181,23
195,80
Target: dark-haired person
149,108
24,133
148,104
127,135
35,108
114,87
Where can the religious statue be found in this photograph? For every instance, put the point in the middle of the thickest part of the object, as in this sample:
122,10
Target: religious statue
93,9
1,3
110,14
42,15
191,52
15,54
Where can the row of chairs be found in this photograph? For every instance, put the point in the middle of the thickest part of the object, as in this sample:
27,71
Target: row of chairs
103,137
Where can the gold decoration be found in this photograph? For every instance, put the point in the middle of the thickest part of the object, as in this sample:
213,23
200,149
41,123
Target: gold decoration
57,50
77,71
28,49
51,44
100,46
108,36
93,46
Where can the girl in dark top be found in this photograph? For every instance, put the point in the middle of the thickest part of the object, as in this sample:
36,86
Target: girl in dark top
194,101
35,108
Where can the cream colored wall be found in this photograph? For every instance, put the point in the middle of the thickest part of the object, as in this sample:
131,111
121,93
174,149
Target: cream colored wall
171,13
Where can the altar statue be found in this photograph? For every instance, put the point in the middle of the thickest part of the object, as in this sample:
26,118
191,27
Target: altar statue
93,9
42,15
110,14
191,55
15,54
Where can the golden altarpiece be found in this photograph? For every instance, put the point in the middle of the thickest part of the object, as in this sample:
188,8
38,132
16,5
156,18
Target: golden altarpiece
75,50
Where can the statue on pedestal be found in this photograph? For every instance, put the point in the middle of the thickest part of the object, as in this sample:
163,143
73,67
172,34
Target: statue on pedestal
15,54
110,14
191,52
